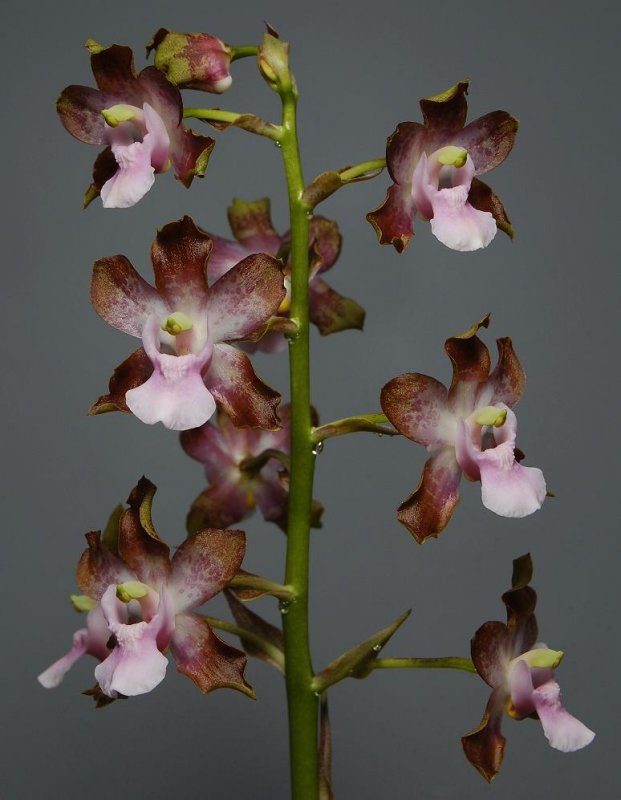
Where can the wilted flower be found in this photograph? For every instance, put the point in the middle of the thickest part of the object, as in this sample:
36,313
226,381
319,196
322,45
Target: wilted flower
192,60
468,428
186,363
252,228
434,167
141,604
138,118
245,468
520,671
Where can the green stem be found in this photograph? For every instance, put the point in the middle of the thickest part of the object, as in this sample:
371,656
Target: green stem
243,51
255,582
449,662
357,171
371,423
215,114
302,702
248,122
273,652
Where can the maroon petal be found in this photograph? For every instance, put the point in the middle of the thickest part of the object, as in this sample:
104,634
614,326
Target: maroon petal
98,567
179,255
470,357
245,297
508,379
446,112
204,564
139,545
189,153
133,372
249,621
416,405
488,139
427,512
222,504
485,745
79,109
273,500
394,219
104,168
251,223
113,68
484,199
244,397
162,95
403,150
326,241
121,297
490,649
330,311
208,445
205,659
224,256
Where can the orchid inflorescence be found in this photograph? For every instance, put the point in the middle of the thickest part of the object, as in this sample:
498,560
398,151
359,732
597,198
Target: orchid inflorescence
214,303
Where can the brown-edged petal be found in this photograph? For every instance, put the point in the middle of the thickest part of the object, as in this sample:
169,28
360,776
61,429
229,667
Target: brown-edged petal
469,355
98,567
133,372
206,659
244,298
179,255
104,168
189,153
139,545
326,243
427,511
251,223
122,297
485,745
417,406
488,139
113,68
79,109
446,112
490,648
483,198
507,379
204,564
163,95
244,397
394,219
222,504
332,312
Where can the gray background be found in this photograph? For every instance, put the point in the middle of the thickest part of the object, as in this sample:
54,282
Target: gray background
361,68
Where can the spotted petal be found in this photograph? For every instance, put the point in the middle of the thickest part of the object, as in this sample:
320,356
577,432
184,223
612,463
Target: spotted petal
417,406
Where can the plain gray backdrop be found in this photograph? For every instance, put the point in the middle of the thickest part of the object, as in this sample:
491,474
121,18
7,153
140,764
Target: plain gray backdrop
361,68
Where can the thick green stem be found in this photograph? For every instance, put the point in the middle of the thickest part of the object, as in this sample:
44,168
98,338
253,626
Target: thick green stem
449,662
302,702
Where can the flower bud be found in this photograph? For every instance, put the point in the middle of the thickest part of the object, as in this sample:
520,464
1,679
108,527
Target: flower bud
192,60
274,62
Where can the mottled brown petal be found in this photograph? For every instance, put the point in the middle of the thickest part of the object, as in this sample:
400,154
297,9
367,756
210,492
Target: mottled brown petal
206,659
481,196
139,545
490,644
507,379
98,567
393,221
485,745
248,620
330,311
469,355
179,255
104,168
134,371
79,109
416,404
222,504
251,224
448,110
427,511
488,139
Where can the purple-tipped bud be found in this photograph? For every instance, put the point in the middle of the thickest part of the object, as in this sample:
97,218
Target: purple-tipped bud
192,60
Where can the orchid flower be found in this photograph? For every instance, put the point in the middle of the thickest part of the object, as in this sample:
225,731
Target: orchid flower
520,672
186,363
470,429
138,119
434,167
142,602
244,468
193,60
254,232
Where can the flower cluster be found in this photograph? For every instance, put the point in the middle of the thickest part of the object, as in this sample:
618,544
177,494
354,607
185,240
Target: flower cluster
434,167
469,428
141,603
519,669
